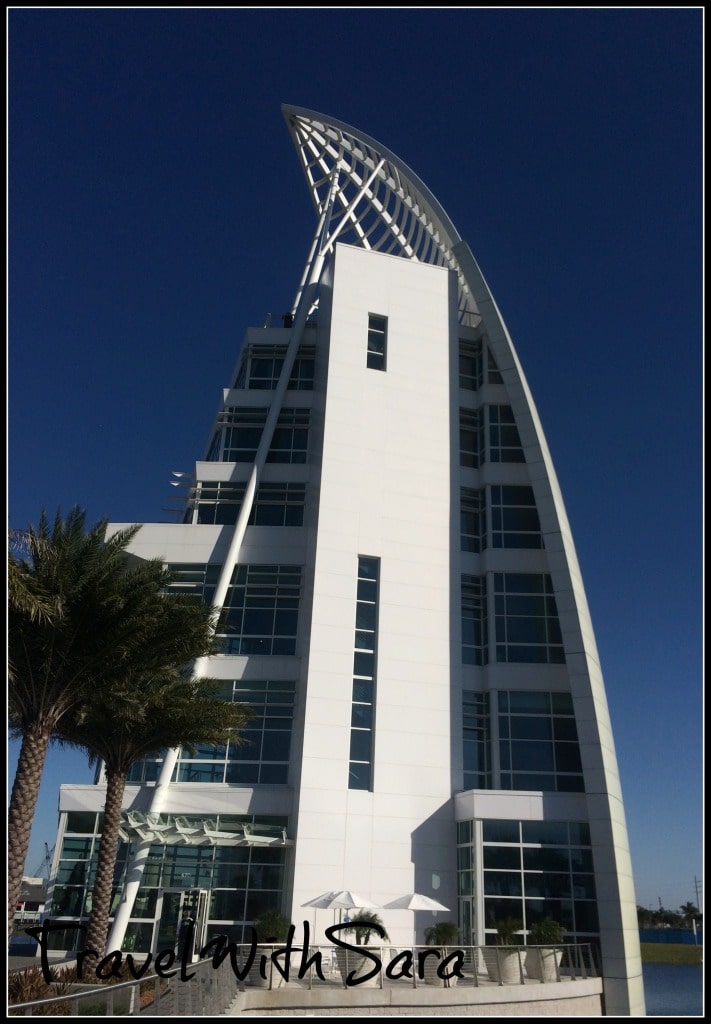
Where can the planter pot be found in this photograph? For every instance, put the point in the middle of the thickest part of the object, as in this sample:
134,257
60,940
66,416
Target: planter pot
431,964
350,962
503,964
543,963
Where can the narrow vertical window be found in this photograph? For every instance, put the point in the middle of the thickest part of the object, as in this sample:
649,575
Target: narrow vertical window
475,647
471,438
476,753
377,341
471,371
504,439
472,520
360,768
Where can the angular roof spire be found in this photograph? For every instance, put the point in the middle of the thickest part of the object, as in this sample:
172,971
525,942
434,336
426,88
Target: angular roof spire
380,203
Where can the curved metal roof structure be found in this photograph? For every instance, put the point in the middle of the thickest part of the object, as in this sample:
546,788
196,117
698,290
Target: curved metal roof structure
379,203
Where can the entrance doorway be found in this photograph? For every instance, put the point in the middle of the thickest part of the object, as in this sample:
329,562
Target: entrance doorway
176,910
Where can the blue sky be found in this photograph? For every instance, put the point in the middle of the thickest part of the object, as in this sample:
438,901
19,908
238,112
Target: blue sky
157,209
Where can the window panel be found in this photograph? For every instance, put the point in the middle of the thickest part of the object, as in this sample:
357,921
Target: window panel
364,672
362,716
525,728
474,359
504,440
503,883
548,833
472,520
514,517
474,620
502,857
527,725
359,775
471,438
527,627
494,831
377,342
262,610
471,371
527,755
242,430
261,367
476,740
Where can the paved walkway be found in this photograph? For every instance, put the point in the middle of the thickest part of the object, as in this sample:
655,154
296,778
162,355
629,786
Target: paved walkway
18,962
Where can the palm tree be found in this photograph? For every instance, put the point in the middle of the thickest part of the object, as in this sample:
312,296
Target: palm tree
363,924
689,911
149,712
68,635
25,594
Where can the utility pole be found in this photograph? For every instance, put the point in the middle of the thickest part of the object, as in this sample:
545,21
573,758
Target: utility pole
697,886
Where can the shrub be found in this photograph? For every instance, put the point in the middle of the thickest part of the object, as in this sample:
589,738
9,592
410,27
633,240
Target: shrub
442,933
362,925
507,930
28,985
272,926
546,933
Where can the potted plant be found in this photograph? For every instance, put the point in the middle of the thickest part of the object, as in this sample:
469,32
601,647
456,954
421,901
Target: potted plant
442,934
352,963
503,959
543,959
272,929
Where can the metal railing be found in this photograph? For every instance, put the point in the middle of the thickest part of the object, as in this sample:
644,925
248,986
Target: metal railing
209,988
282,320
416,966
205,992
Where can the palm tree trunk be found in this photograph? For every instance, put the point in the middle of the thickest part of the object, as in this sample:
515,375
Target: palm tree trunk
98,930
23,801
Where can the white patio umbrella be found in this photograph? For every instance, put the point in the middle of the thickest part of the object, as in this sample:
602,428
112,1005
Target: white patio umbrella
414,901
339,900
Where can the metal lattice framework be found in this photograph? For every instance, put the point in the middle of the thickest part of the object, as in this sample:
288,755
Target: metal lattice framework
169,830
377,203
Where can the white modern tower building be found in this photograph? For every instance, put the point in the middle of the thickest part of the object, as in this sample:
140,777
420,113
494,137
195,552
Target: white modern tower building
377,510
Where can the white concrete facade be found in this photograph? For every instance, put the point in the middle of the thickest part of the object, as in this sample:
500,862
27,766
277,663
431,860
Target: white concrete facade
383,479
385,493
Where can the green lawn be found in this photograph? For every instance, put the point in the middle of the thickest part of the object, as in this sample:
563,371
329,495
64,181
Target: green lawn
671,953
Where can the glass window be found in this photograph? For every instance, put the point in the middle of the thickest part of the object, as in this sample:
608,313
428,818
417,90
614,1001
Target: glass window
538,750
493,374
530,871
475,649
526,619
364,673
241,431
514,518
377,341
263,754
471,438
471,373
261,610
81,821
476,740
275,504
261,367
474,356
504,440
472,520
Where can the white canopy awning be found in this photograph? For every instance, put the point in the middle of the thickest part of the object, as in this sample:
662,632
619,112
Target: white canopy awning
167,830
